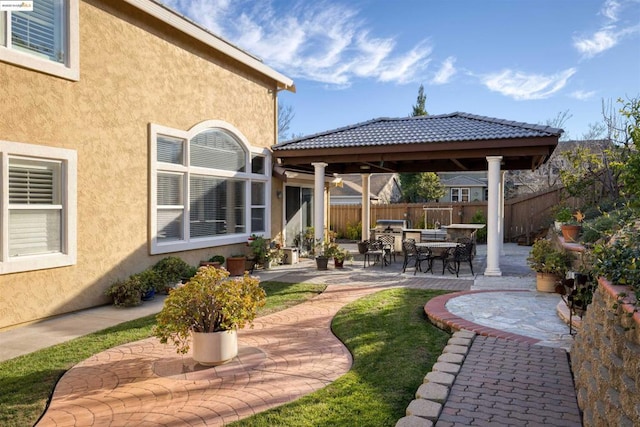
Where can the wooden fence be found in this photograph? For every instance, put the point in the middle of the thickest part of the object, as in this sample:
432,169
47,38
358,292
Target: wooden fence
524,216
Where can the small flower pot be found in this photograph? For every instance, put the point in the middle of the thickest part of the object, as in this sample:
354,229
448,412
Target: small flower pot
338,263
322,262
546,282
570,232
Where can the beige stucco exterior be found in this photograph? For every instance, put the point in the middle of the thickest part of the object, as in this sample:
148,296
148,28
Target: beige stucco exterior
134,70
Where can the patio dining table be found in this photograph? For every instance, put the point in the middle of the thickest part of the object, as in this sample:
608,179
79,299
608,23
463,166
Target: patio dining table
441,249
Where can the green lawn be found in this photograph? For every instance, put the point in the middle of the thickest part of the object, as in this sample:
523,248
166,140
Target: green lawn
393,347
26,382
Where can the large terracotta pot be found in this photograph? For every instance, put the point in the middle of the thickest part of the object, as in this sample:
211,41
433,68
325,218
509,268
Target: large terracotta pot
570,232
236,266
214,348
546,282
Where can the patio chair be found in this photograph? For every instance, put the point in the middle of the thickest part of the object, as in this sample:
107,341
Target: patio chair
388,243
374,250
416,256
455,256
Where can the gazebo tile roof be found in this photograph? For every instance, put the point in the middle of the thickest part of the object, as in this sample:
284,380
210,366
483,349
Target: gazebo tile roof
422,129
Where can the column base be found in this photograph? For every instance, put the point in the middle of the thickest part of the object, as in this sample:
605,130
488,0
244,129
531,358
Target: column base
493,272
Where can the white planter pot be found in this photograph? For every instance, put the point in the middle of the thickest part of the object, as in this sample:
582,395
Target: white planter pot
214,348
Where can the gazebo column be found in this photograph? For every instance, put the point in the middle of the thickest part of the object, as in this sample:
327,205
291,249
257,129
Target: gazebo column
493,222
366,206
501,214
318,201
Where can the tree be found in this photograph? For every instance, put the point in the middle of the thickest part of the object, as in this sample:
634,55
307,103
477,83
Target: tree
285,116
418,109
425,186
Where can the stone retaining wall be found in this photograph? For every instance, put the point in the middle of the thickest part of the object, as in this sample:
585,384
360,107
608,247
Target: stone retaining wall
606,361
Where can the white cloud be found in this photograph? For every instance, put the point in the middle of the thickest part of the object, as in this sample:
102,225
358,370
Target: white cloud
582,95
446,71
612,31
522,86
319,41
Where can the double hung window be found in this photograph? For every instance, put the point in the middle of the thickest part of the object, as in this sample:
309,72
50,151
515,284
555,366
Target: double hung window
38,207
209,187
44,38
459,194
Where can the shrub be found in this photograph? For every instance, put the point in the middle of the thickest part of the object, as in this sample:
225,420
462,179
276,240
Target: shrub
172,270
479,218
126,293
354,231
149,280
619,260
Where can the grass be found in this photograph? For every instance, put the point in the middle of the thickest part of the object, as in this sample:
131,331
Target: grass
26,382
393,347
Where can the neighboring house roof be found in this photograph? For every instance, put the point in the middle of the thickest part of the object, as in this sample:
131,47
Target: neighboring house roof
463,181
447,142
189,27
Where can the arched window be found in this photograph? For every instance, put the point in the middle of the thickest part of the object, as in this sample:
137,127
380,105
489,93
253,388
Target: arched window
203,191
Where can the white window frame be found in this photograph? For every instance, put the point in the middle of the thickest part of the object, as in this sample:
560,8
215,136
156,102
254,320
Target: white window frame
460,191
155,130
69,70
69,168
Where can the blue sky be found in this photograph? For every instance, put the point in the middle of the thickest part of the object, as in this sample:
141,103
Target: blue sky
356,60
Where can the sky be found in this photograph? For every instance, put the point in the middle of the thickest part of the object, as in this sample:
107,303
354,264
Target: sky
530,61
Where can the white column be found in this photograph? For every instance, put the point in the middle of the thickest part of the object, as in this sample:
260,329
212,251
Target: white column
366,206
501,214
318,201
493,212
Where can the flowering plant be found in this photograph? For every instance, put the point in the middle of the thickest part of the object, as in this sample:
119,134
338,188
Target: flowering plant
209,302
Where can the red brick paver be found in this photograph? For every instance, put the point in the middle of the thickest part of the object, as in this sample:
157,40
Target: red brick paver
285,356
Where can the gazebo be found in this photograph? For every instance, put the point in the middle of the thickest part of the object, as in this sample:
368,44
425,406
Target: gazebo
438,143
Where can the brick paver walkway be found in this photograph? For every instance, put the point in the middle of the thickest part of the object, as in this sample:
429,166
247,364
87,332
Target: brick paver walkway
286,355
509,383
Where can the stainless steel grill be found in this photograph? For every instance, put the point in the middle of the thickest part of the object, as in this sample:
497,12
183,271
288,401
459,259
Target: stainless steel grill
393,227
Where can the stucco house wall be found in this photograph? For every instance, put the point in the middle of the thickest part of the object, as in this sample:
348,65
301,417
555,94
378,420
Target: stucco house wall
135,70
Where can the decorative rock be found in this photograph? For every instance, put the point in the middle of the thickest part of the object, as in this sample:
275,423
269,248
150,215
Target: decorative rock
451,368
458,349
440,378
433,391
424,408
451,358
413,421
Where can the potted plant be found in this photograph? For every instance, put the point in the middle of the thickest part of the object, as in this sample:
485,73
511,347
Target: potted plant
172,271
259,249
215,261
206,312
572,228
150,282
236,264
127,293
562,215
549,263
333,250
322,251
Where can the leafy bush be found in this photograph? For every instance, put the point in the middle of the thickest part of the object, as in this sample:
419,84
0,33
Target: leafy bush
172,270
149,280
127,293
354,231
619,260
479,218
217,258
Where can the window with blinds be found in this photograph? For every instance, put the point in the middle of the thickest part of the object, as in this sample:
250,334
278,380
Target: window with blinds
41,32
35,209
208,189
